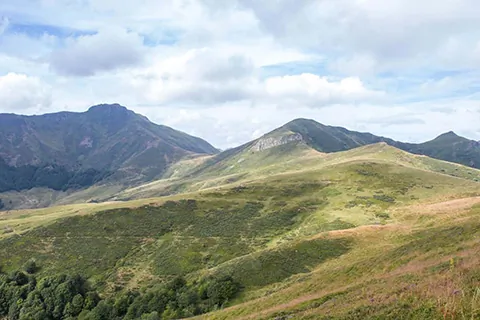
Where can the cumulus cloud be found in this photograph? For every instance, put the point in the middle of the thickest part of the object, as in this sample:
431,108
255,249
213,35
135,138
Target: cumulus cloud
395,34
205,77
200,76
315,91
106,50
21,93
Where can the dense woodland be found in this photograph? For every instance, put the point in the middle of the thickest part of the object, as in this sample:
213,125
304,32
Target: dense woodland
51,176
25,296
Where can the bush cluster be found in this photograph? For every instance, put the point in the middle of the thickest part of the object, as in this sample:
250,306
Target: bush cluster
23,296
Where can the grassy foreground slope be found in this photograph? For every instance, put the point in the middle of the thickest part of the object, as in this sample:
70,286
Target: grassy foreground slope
424,267
371,232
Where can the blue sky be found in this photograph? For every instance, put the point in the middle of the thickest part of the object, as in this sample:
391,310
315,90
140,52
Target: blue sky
231,71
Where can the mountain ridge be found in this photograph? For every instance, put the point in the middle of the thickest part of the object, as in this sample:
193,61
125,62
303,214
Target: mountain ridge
299,135
447,146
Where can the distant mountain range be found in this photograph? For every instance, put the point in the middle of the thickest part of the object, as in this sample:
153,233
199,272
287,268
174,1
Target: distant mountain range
111,144
302,134
447,146
74,150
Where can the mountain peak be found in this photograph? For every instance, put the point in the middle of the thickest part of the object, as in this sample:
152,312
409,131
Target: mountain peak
302,121
115,107
112,113
450,135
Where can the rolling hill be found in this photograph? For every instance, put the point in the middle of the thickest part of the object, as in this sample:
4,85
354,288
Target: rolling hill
369,233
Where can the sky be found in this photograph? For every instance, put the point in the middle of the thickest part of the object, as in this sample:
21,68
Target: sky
229,71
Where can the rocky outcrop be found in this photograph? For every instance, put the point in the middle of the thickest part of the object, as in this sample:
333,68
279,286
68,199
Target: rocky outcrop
265,143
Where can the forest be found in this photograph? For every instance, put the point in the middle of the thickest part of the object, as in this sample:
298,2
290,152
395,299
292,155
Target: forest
24,296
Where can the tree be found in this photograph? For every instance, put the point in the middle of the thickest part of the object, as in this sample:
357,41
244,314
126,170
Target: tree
150,316
30,266
219,291
2,205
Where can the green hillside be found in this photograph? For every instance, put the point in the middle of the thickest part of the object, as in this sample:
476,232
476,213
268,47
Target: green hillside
313,235
245,164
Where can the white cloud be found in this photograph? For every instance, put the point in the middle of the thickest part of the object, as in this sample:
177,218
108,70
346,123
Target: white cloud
205,77
367,61
198,77
358,64
233,124
107,50
395,34
311,90
18,92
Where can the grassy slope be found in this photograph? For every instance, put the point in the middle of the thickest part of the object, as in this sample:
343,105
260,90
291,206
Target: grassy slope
243,165
328,234
421,267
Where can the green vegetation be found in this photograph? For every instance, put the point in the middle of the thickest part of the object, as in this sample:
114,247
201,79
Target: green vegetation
26,297
372,233
274,265
51,176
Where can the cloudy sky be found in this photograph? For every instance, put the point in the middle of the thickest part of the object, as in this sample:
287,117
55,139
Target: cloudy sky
231,70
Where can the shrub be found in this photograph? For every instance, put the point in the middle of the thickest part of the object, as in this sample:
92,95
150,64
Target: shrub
384,198
30,266
382,215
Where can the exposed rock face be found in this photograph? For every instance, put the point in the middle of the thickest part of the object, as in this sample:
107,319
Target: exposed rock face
270,142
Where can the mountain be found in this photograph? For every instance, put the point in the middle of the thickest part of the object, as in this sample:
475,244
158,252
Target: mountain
323,138
280,149
307,222
71,150
328,138
450,147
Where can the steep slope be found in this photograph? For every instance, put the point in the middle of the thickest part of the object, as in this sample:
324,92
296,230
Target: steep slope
374,227
448,146
271,149
69,150
330,139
